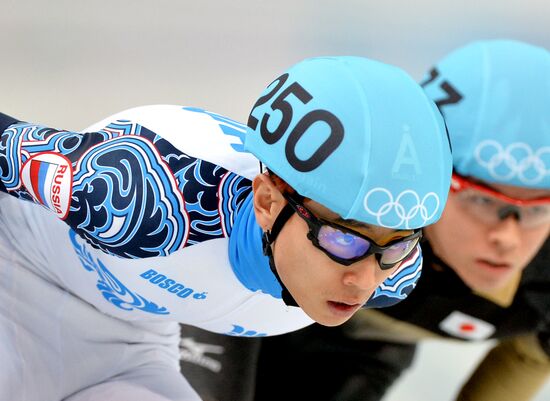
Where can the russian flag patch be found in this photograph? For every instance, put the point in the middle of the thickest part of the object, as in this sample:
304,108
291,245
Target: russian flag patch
48,177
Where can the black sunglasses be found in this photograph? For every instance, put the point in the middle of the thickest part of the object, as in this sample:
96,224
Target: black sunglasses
346,246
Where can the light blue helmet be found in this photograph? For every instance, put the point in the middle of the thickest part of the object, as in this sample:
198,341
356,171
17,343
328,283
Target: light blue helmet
495,97
358,136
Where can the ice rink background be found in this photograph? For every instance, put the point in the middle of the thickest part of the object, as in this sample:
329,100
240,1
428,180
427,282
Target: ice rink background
69,63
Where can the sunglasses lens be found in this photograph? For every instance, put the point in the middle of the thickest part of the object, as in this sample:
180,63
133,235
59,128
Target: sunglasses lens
535,216
398,251
480,206
342,244
489,210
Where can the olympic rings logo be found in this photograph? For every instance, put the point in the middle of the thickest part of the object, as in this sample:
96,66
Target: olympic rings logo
495,156
422,210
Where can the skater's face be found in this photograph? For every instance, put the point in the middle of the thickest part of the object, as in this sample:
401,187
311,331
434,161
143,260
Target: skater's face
327,290
489,232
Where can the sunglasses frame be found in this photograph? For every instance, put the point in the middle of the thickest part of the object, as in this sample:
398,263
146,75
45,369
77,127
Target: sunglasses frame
460,183
315,223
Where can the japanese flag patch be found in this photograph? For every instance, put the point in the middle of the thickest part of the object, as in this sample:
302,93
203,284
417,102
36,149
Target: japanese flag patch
464,326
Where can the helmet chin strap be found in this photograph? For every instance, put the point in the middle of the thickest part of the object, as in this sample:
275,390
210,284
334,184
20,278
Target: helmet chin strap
267,239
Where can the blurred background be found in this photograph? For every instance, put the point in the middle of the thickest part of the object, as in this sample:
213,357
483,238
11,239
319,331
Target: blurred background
69,63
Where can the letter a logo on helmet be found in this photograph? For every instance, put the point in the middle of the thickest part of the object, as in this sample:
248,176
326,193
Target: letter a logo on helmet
335,129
